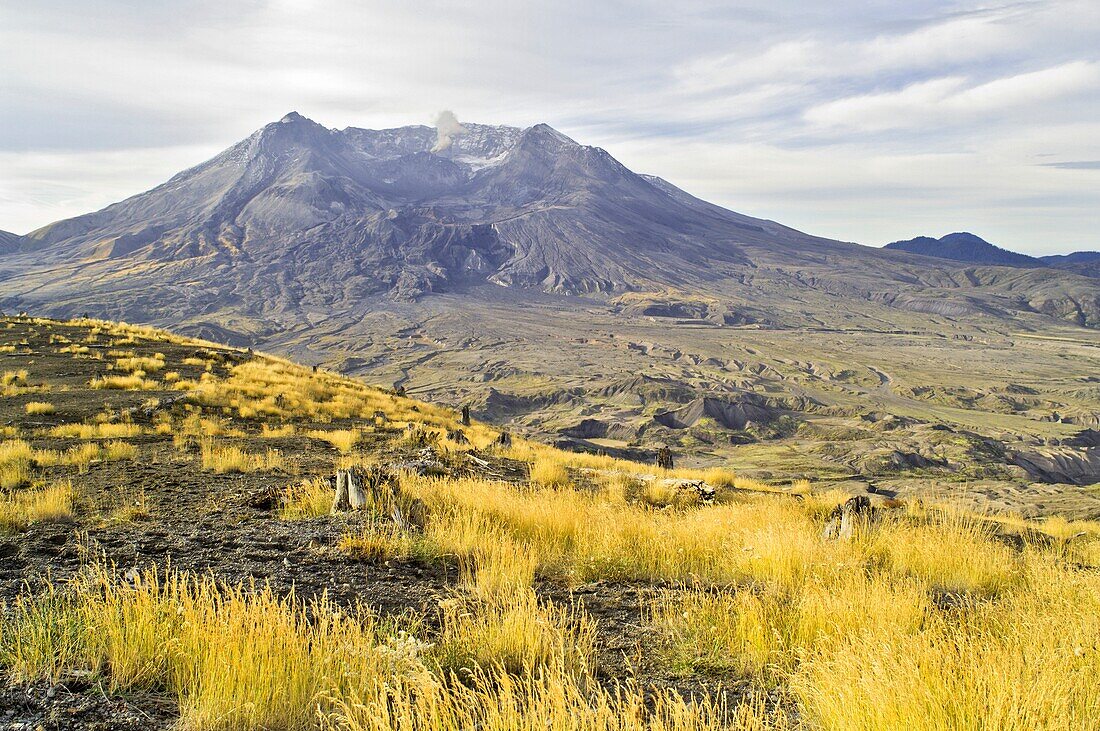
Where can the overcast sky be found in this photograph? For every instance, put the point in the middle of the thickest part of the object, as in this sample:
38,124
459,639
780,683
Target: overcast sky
862,121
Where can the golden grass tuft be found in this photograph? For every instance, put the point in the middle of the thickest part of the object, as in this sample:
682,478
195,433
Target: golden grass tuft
123,383
45,504
40,407
343,440
306,499
144,365
549,473
96,431
223,458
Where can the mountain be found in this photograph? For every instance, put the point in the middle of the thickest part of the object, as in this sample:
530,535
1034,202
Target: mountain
9,242
965,247
298,222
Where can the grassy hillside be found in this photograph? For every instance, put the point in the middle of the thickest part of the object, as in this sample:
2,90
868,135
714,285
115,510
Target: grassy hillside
169,556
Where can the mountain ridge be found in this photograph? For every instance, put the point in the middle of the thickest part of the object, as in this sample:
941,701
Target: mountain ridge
297,219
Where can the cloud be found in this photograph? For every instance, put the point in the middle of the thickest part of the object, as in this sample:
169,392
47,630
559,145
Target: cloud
1074,165
953,99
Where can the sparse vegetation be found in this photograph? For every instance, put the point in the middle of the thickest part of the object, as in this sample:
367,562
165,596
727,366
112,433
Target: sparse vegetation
39,408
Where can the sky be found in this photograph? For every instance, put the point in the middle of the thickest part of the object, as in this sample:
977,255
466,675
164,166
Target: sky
862,121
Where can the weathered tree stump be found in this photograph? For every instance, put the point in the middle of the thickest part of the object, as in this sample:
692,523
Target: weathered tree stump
664,458
379,418
465,415
399,391
357,495
457,436
339,483
504,440
845,518
358,488
376,489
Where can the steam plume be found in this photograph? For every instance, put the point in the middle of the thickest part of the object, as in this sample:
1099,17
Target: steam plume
447,129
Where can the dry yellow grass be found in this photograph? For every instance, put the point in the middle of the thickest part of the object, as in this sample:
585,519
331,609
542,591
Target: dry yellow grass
520,635
276,431
549,473
578,535
343,440
40,407
240,659
115,451
140,364
123,383
96,431
51,503
224,458
307,499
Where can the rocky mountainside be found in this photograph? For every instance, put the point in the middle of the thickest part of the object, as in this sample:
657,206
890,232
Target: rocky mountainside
8,242
966,247
299,222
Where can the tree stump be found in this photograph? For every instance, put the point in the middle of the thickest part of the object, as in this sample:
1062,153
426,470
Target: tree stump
356,481
465,415
379,418
504,440
339,483
664,458
845,518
